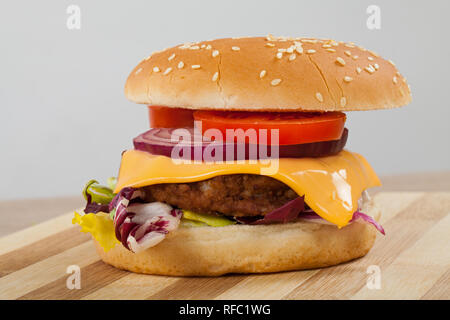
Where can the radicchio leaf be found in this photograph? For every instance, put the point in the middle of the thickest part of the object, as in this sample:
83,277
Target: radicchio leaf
93,207
357,215
286,213
141,225
295,209
368,219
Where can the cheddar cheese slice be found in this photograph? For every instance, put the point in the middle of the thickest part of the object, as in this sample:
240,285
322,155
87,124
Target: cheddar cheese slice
331,185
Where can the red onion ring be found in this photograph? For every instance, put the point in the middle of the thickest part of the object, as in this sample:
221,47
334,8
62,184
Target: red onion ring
162,141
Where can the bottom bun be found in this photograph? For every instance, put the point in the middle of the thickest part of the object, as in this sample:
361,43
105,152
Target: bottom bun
213,251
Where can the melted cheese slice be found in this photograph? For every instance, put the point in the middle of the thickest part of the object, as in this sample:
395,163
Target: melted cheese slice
331,185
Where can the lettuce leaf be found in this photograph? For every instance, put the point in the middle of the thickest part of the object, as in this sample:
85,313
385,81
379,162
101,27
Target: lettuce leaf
100,226
208,219
191,223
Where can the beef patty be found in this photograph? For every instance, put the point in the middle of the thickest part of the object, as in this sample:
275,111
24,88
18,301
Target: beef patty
232,195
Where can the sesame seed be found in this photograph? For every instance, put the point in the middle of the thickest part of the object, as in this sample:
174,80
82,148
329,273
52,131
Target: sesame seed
343,101
269,44
235,48
394,79
376,66
348,45
138,70
282,50
319,96
280,55
374,54
194,47
358,69
290,50
180,65
340,61
275,82
270,37
299,49
215,53
370,69
208,47
195,66
202,46
156,69
348,53
167,71
348,79
355,57
331,50
370,58
215,77
326,46
262,74
148,57
311,51
292,57
391,62
185,46
309,40
171,57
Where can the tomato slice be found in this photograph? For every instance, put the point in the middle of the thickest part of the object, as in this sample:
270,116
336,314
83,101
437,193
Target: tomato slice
165,117
294,127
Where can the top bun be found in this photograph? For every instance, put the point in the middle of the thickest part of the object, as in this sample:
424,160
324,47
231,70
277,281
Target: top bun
268,74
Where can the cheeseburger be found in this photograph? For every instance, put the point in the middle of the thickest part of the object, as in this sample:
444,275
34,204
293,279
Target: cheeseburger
244,168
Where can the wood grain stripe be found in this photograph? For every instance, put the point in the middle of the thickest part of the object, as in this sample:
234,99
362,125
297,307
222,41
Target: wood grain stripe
440,290
39,274
417,269
328,283
35,233
393,203
41,249
93,277
133,286
413,257
275,285
197,288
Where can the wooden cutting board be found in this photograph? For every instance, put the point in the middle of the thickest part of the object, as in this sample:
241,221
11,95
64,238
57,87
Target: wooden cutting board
411,262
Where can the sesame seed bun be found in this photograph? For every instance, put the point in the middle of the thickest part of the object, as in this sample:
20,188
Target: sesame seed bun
268,74
213,251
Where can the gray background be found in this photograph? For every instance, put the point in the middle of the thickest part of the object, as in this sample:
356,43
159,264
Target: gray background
65,120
